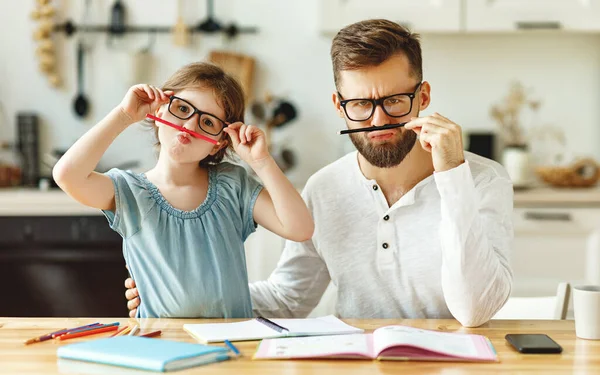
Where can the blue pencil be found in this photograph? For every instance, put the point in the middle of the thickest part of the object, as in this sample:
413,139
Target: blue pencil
233,348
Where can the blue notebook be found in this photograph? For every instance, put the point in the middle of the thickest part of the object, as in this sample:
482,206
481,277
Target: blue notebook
143,353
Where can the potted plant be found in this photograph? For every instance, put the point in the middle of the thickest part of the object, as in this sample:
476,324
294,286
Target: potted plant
516,153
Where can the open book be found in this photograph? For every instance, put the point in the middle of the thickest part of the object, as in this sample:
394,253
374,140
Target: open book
261,328
386,343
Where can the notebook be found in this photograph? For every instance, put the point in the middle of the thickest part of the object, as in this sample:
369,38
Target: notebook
386,343
143,353
261,328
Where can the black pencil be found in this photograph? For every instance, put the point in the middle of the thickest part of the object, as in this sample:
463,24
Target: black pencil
372,128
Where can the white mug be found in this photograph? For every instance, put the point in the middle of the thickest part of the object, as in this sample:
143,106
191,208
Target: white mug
586,302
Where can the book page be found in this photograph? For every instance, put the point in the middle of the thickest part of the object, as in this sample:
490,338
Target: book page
454,344
238,331
338,346
327,325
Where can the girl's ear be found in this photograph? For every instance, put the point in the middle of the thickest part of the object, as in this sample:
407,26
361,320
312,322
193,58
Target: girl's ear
222,144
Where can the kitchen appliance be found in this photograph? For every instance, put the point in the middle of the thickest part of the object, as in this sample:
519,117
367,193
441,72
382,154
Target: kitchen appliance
28,146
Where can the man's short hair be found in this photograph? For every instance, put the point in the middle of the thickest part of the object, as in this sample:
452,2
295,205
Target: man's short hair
369,43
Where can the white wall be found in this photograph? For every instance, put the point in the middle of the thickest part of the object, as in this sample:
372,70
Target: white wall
467,73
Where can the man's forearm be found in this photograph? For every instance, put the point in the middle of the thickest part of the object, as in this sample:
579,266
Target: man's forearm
476,236
295,287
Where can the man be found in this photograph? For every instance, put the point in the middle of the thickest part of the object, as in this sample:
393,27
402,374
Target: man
410,226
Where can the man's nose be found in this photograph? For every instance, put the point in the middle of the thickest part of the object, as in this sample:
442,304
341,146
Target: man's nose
379,117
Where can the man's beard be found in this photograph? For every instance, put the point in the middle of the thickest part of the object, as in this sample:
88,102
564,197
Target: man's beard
384,155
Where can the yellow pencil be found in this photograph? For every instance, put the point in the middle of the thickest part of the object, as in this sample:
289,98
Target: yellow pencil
125,331
118,333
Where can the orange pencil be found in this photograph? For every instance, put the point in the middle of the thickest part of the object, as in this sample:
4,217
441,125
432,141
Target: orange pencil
88,333
45,337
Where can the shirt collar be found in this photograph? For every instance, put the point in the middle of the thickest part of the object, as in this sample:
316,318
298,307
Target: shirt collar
406,200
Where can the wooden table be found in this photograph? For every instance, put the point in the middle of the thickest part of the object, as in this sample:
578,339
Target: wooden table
579,356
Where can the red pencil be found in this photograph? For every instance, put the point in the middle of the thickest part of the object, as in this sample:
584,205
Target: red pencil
88,333
181,128
151,334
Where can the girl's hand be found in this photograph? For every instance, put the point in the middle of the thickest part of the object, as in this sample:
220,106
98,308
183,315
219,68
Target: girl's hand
248,142
143,99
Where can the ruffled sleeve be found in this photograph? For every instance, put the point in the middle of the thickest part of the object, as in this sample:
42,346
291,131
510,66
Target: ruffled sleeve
242,190
132,202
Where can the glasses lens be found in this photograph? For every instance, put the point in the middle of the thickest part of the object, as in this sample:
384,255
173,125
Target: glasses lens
211,124
181,109
359,110
398,105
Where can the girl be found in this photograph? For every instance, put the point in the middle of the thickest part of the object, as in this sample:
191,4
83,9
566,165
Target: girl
184,222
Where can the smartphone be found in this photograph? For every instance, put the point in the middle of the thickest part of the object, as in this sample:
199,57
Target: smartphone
533,343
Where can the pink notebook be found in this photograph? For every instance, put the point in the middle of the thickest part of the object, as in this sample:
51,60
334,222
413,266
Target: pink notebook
386,343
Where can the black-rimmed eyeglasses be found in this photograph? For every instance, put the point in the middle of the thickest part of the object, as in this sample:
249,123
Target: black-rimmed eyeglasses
396,105
182,109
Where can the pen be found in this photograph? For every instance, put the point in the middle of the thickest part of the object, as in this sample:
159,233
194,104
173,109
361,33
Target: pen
271,324
233,348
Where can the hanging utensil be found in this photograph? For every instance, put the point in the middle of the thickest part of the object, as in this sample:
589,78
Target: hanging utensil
81,104
117,23
181,36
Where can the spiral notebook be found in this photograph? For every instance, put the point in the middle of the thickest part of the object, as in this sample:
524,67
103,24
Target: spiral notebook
262,328
386,343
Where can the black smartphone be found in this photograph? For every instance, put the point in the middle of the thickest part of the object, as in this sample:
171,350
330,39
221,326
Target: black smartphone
533,343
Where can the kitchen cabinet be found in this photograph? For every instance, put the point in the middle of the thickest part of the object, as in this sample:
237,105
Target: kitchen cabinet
554,244
510,15
61,266
419,15
447,16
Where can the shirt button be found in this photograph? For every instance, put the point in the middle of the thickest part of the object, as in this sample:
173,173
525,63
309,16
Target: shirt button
386,217
375,187
385,245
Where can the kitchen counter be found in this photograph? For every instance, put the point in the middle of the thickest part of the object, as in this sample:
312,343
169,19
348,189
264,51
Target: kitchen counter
567,197
54,202
35,202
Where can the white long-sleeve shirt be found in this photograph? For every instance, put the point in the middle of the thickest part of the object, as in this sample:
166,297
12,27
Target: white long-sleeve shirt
441,251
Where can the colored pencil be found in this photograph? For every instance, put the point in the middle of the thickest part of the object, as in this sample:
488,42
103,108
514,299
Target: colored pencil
151,334
56,334
91,328
181,128
120,331
125,331
134,330
45,337
372,128
233,348
87,333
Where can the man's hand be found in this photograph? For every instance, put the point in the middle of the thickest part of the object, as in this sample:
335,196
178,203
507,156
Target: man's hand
442,138
133,298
